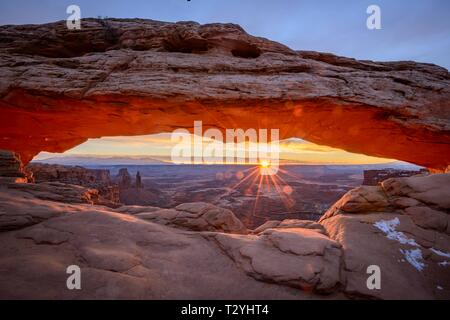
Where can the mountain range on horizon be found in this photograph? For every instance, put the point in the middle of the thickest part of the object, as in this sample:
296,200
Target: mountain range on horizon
132,160
81,160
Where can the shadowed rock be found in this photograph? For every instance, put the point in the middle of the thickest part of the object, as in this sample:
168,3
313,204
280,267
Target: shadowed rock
11,168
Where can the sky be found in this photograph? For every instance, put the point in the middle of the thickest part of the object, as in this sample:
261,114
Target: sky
161,146
410,30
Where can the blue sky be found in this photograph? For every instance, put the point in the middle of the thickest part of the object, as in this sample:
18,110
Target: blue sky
411,30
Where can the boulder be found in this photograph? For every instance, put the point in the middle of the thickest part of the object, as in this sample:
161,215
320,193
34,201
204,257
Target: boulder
433,190
297,257
199,216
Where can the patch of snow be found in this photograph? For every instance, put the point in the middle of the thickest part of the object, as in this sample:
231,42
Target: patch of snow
440,253
444,263
439,288
414,257
389,228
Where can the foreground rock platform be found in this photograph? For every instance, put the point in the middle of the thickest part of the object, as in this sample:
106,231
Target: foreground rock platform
132,76
197,216
199,251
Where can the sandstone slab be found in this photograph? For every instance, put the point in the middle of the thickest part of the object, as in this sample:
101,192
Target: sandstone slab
199,216
297,257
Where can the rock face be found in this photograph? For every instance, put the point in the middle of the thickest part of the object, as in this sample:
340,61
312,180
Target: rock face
25,204
91,178
132,76
69,174
11,168
401,226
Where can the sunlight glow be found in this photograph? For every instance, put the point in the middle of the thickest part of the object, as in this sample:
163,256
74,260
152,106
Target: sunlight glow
264,164
255,182
148,149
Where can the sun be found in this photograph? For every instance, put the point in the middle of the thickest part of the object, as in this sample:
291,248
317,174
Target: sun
267,168
264,164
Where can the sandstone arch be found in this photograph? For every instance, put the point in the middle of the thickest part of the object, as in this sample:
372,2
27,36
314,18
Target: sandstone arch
131,76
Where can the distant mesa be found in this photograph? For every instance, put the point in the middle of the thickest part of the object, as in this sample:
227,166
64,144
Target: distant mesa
98,179
138,181
375,177
124,178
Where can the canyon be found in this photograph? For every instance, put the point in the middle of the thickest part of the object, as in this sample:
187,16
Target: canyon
114,77
199,250
311,190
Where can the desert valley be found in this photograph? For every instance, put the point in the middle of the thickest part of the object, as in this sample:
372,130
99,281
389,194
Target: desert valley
303,192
